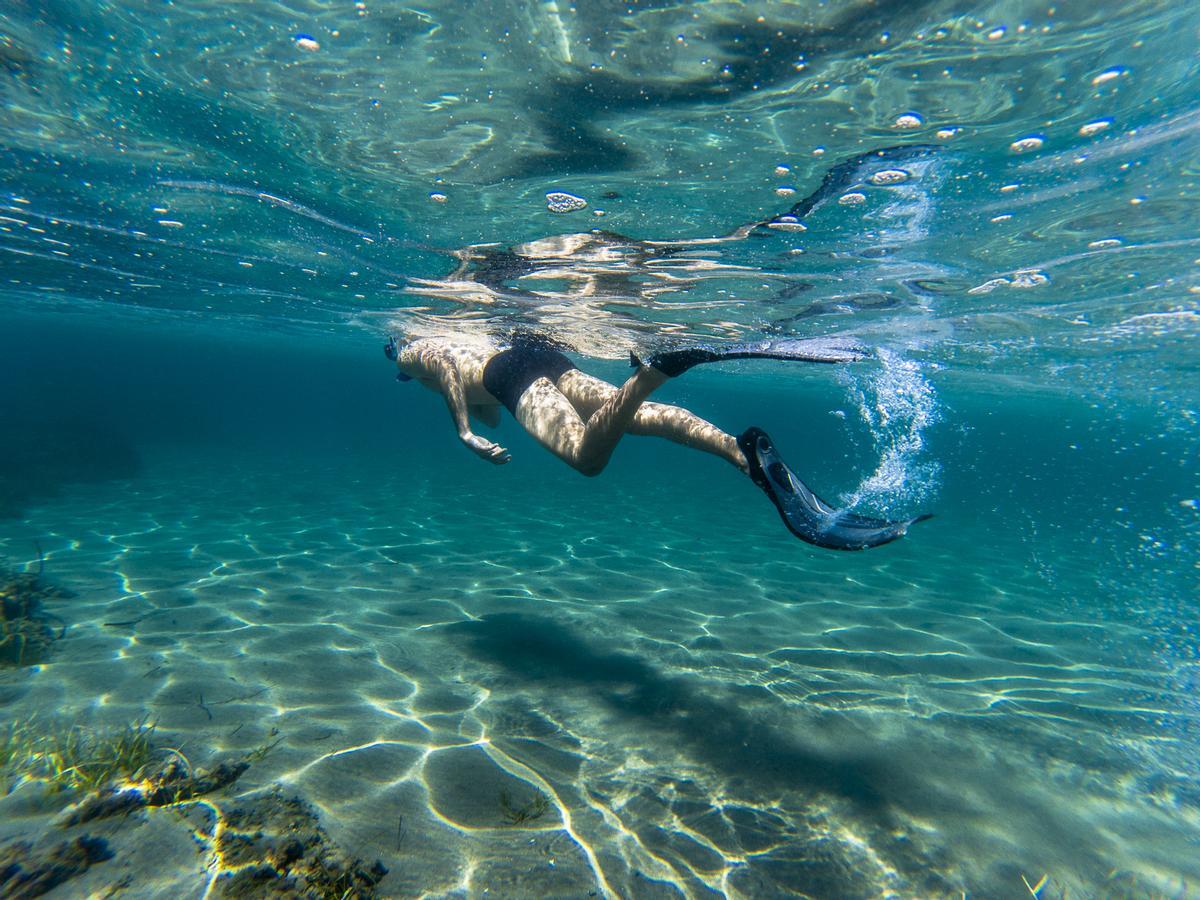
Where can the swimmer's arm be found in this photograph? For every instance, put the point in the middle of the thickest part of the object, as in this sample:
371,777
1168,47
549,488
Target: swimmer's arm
450,383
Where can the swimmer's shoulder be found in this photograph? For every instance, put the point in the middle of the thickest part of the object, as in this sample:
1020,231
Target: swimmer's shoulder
469,351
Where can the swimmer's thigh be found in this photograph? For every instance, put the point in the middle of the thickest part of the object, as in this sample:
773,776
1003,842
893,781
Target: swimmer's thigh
550,417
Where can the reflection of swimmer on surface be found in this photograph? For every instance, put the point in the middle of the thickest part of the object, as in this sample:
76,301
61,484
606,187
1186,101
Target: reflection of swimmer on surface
592,287
581,419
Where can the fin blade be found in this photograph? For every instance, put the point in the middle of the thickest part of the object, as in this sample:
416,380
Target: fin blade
827,349
805,514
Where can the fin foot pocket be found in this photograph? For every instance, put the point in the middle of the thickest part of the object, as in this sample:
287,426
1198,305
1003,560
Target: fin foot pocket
805,514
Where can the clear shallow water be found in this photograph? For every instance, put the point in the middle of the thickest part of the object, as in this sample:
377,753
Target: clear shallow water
206,231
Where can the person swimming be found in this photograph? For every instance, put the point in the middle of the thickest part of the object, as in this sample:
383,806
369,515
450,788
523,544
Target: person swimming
581,419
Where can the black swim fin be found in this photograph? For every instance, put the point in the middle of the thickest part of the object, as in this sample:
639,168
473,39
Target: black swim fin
804,513
831,349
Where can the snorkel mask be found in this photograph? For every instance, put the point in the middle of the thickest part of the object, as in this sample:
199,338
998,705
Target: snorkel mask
391,351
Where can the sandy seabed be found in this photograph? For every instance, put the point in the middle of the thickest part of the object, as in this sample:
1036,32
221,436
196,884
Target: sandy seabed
500,687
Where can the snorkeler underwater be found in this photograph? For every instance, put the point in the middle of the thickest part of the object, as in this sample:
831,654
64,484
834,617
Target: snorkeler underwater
274,624
580,418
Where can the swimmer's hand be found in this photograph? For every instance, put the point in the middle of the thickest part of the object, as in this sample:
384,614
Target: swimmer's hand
485,449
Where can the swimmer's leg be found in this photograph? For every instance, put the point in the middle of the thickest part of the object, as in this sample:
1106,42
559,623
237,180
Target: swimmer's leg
586,446
588,393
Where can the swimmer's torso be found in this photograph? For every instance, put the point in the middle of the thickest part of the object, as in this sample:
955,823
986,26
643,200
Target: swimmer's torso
470,354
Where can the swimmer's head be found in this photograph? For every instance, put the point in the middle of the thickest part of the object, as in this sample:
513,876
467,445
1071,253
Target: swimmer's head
391,350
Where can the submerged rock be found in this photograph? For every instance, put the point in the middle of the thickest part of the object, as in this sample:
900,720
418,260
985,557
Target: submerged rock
25,634
173,782
275,846
26,871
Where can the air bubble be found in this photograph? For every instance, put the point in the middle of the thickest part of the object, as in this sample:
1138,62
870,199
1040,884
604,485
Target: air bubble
988,286
782,170
908,121
945,134
785,191
1026,144
1095,127
1027,278
1104,243
1110,74
889,176
560,202
854,198
996,33
437,197
1023,278
787,223
307,42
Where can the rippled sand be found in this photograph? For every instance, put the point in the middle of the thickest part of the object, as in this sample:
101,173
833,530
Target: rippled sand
708,707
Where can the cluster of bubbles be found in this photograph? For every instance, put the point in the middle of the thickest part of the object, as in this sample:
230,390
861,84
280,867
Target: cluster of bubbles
561,202
897,404
911,121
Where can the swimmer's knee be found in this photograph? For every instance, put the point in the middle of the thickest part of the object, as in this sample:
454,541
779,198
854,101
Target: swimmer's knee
590,469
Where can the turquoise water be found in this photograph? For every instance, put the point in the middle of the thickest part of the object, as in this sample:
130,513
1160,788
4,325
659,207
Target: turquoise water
207,227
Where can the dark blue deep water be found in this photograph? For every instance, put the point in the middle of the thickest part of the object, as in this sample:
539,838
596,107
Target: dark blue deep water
519,682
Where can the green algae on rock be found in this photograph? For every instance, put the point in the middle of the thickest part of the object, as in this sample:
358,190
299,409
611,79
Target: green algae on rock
25,633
